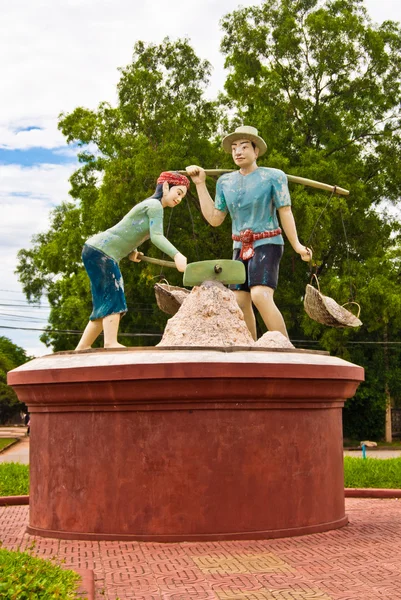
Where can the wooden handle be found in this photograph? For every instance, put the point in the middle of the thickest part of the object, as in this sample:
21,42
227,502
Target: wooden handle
358,305
157,261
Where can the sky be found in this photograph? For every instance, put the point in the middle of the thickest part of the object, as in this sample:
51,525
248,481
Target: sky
57,55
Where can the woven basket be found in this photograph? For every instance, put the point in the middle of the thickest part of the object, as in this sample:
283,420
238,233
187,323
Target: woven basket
325,310
170,297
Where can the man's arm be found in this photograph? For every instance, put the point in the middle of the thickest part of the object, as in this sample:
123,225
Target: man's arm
212,215
288,224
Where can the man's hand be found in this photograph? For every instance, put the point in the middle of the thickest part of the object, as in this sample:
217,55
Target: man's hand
197,174
180,262
135,256
304,252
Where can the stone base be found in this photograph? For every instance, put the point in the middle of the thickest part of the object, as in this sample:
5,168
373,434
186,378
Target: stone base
174,445
242,535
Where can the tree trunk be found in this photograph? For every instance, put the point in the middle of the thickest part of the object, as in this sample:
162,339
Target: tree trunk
389,431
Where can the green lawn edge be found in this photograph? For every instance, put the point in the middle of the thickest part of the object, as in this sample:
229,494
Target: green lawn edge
375,473
14,479
7,443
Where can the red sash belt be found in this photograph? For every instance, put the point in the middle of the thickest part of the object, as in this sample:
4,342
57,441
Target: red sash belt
247,237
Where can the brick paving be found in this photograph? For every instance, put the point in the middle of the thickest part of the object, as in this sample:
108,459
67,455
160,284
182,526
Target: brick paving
359,562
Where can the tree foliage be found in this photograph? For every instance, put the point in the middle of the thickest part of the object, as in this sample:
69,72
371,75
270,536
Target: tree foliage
11,356
322,84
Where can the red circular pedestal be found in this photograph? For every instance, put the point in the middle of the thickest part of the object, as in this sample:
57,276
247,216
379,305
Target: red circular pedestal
172,445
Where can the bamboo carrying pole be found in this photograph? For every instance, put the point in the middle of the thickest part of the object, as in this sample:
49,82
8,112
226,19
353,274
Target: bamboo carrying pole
291,178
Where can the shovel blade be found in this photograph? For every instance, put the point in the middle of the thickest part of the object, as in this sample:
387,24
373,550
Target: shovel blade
225,271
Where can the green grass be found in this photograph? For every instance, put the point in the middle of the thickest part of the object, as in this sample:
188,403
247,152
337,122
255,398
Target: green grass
396,444
358,473
372,472
4,442
14,479
23,577
352,443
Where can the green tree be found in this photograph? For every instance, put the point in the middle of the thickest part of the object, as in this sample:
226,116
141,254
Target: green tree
322,83
11,356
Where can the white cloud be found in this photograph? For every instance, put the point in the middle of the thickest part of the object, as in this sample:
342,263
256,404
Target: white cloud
66,54
46,181
62,55
17,318
23,133
27,195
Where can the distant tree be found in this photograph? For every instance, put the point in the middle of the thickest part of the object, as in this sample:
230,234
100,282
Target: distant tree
11,356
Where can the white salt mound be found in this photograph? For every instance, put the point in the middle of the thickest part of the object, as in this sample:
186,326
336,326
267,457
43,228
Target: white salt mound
273,339
209,316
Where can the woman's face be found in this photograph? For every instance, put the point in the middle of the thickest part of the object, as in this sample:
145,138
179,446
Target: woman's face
174,195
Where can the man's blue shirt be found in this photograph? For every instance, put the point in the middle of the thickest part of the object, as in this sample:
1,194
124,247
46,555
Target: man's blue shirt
252,201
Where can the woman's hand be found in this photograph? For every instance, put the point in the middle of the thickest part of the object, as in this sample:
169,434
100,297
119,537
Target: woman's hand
135,256
180,262
197,174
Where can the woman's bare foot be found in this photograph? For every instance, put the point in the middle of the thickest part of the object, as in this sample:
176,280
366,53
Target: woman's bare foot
114,345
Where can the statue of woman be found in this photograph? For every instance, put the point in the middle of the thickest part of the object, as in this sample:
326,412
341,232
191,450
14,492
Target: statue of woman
102,253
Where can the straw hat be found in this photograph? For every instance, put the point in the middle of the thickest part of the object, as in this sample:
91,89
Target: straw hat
244,132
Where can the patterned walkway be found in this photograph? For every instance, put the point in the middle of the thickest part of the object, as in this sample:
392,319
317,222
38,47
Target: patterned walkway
359,562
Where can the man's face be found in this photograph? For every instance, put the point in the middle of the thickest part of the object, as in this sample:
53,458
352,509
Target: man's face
243,153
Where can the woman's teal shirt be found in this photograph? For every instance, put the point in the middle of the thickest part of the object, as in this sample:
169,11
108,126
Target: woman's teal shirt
144,221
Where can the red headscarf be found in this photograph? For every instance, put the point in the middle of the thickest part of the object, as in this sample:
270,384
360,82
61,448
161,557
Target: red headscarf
174,178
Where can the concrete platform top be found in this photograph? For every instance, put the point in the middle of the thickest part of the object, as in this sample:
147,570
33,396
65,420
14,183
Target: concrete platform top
187,355
189,365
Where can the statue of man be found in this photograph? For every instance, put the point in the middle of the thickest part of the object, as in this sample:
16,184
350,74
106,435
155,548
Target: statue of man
253,196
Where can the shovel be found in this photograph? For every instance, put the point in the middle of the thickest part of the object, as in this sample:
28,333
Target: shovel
225,271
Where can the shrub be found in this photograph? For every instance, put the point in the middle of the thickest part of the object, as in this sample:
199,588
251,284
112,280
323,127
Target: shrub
24,577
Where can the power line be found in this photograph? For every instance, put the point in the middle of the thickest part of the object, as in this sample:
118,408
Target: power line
76,332
145,334
12,291
26,305
138,305
346,343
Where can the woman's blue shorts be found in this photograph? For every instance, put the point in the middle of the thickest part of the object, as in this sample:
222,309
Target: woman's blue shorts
107,285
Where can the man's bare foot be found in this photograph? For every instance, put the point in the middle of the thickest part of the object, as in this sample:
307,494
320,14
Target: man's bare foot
79,348
114,345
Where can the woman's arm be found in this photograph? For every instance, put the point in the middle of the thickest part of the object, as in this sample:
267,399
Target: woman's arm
158,238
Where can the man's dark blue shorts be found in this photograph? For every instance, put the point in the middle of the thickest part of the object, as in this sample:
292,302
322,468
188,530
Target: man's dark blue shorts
262,268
